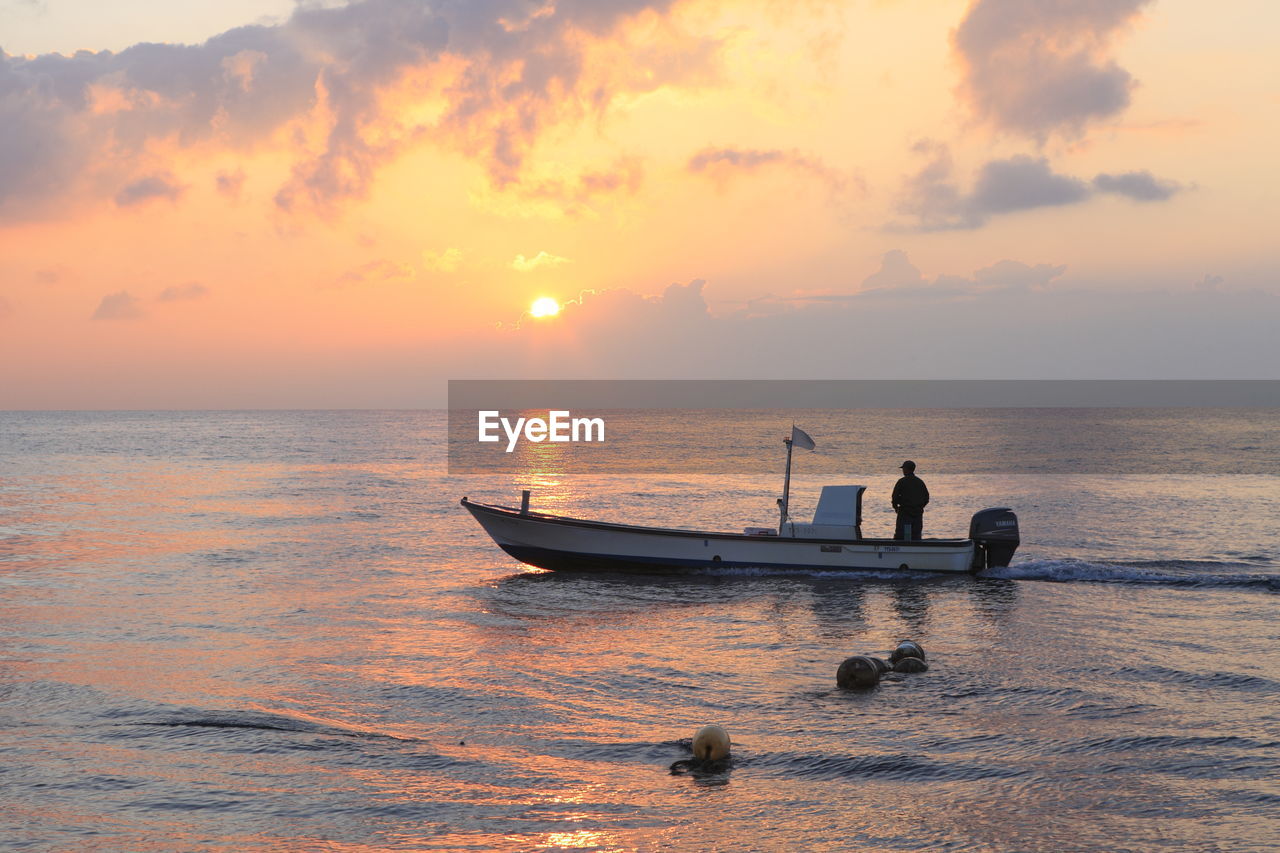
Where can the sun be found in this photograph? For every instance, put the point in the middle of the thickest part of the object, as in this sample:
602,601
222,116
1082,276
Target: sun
544,306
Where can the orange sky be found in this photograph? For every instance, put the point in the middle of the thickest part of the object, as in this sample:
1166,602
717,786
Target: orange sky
347,206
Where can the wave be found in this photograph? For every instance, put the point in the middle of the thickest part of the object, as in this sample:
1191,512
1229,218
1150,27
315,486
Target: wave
255,720
1132,743
1192,573
1200,680
900,767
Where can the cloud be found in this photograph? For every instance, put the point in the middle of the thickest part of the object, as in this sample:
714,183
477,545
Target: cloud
936,202
723,163
183,292
542,260
898,277
1018,183
230,184
1015,275
120,305
743,159
625,175
349,86
1022,183
575,195
895,272
446,261
931,195
1042,68
161,185
1138,186
374,272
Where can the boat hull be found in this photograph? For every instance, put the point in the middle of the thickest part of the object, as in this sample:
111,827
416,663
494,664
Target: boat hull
568,544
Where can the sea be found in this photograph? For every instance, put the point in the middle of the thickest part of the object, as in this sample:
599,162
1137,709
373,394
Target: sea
262,631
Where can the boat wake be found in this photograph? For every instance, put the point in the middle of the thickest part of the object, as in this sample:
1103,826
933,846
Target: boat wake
1173,573
1183,573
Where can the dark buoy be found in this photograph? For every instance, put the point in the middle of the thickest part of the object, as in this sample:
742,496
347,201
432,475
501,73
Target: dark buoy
906,649
911,665
882,665
858,672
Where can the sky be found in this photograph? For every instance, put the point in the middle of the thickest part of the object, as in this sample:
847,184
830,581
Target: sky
325,205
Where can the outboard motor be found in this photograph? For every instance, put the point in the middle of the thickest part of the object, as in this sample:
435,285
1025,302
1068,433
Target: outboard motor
995,537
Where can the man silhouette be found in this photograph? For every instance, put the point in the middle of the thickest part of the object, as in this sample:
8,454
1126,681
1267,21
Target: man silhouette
910,496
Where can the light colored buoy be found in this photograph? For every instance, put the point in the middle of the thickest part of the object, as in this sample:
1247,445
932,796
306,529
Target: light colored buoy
907,649
859,672
711,743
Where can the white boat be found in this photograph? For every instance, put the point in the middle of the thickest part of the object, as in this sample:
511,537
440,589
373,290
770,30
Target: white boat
833,541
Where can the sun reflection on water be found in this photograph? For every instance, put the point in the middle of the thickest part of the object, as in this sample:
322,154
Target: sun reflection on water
580,839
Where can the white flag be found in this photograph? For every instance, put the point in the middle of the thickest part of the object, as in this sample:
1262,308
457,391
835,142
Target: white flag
801,439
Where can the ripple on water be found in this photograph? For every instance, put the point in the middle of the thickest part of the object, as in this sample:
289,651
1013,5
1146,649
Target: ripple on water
898,767
1142,743
1199,680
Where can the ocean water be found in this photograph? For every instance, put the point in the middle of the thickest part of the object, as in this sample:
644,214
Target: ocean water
279,631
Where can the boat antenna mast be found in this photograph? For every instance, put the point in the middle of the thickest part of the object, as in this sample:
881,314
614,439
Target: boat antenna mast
801,438
786,491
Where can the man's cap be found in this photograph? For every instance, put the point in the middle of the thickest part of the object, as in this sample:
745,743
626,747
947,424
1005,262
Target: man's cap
908,466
